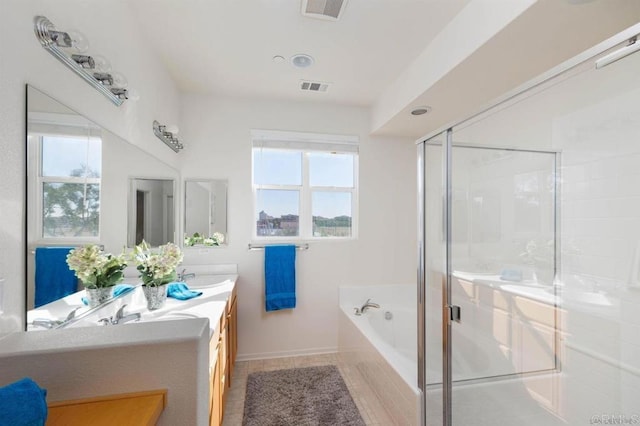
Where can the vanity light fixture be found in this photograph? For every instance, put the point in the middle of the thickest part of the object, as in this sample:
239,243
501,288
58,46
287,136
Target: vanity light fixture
69,48
167,137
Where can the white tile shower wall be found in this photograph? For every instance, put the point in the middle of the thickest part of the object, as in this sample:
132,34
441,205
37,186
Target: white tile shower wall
493,181
600,232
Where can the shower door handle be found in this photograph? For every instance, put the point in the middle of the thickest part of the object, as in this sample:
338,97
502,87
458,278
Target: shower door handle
454,313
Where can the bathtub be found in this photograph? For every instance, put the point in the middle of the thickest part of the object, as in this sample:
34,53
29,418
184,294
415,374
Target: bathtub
381,344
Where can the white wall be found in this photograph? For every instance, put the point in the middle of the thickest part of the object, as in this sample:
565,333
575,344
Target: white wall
115,36
216,133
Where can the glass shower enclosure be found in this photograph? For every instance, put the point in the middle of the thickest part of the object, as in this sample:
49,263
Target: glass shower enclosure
529,264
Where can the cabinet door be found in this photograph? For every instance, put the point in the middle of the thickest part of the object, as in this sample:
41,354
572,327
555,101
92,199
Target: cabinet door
216,396
232,338
224,366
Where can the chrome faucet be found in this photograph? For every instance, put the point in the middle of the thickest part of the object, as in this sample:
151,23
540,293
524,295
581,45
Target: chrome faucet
182,276
368,304
120,317
50,323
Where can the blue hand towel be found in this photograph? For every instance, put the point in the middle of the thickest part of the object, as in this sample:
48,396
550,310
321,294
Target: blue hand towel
280,277
117,291
54,279
180,291
23,403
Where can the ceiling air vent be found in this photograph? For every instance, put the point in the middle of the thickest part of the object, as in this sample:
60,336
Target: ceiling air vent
313,86
323,9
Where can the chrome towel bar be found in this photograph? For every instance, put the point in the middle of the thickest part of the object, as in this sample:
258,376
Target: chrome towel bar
261,247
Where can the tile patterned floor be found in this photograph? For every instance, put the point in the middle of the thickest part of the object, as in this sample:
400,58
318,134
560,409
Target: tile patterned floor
367,402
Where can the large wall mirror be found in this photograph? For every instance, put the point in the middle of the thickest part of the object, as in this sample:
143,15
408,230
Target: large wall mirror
87,185
205,211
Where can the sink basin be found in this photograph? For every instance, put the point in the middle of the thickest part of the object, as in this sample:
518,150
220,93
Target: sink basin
205,281
168,316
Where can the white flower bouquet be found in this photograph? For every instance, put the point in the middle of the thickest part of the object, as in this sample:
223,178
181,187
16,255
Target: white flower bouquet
95,268
215,240
157,268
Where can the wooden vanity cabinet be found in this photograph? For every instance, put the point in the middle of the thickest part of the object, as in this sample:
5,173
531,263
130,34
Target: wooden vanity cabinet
223,348
232,334
138,408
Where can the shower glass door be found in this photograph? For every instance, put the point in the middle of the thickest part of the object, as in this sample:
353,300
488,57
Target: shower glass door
542,338
502,264
433,272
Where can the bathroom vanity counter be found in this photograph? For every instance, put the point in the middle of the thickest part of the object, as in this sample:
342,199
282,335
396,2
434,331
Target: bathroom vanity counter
187,347
216,290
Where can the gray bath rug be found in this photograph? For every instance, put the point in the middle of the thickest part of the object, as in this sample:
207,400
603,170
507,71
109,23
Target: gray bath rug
310,396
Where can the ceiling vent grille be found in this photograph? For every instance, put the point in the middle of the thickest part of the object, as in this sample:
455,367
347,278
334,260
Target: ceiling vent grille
323,9
313,86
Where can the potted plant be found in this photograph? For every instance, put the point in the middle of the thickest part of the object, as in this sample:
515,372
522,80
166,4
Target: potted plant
157,269
215,240
98,271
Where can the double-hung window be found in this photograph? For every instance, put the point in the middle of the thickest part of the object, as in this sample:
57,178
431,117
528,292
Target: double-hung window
66,191
305,186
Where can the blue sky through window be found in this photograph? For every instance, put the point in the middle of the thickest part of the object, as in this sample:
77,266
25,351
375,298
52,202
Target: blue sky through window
333,170
277,203
331,204
63,154
277,167
283,167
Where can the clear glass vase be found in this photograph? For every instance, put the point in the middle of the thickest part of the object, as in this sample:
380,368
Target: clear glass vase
156,296
97,296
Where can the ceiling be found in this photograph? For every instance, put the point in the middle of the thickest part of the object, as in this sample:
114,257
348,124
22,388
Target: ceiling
225,47
379,53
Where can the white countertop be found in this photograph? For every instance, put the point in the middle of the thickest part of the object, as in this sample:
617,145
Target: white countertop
215,288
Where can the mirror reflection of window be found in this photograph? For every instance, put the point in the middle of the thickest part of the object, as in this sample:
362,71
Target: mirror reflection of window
69,186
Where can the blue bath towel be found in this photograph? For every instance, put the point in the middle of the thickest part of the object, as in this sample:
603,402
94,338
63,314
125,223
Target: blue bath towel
54,279
23,403
180,291
280,277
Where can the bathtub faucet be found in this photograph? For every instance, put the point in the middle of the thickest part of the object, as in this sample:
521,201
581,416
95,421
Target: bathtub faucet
368,304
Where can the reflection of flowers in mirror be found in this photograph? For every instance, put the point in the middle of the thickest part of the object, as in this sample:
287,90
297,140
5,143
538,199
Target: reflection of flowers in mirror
215,240
157,268
95,268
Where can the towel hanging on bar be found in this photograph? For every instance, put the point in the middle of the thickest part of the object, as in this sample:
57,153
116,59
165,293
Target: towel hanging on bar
280,277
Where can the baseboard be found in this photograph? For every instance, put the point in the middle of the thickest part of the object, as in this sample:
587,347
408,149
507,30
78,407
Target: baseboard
284,354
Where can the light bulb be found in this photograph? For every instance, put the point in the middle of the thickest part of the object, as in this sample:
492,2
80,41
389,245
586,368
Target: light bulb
119,80
78,41
101,63
61,39
133,94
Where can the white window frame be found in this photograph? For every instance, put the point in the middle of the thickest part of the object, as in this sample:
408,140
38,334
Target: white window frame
306,143
43,129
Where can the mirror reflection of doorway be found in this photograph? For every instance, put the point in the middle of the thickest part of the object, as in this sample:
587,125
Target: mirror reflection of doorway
168,231
141,202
